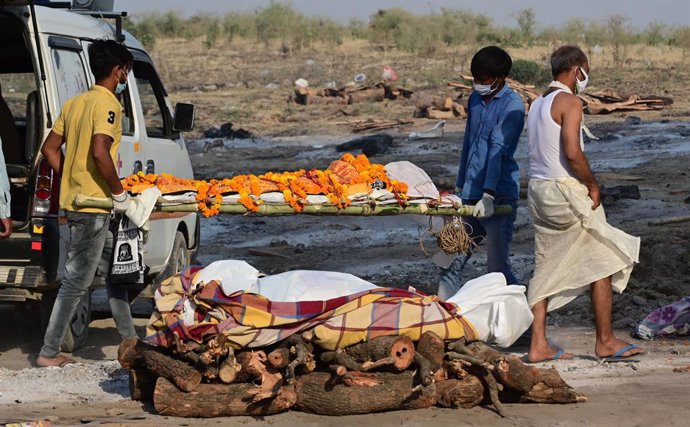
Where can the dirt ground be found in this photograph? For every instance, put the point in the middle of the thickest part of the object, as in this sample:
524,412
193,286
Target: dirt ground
654,155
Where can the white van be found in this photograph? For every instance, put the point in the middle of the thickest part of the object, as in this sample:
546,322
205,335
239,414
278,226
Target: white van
44,62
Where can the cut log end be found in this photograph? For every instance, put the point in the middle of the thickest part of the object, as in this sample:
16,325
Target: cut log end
402,351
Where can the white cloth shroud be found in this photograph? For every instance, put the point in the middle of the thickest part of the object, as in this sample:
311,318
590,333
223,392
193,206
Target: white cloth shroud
499,312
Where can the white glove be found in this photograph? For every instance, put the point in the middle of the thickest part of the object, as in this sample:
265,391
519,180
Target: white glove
121,202
485,207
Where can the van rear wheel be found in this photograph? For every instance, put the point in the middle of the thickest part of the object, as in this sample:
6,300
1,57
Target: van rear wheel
78,329
178,262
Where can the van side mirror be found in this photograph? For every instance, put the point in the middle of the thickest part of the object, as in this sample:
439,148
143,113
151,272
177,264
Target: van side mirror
184,117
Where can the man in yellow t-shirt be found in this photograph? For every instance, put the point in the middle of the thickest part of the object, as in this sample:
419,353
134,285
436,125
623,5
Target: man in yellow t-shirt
89,126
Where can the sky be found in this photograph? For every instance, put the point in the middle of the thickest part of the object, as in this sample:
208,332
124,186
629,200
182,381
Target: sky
548,12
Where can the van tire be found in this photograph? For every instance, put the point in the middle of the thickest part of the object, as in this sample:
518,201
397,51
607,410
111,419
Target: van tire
178,262
78,330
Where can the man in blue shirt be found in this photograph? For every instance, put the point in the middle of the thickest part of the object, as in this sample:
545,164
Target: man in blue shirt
488,173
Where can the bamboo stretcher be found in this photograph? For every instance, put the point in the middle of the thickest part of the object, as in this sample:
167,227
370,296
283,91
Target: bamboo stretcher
322,209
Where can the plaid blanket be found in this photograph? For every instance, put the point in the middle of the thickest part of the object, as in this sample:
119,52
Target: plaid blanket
197,312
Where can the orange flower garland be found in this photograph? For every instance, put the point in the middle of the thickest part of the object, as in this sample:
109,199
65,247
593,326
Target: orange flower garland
346,176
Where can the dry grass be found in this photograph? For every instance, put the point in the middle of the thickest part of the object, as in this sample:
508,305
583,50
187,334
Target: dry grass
249,84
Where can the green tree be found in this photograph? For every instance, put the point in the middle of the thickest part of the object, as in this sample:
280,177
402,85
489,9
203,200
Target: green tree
238,25
357,28
655,34
212,32
619,37
385,26
458,27
527,22
275,22
171,24
681,39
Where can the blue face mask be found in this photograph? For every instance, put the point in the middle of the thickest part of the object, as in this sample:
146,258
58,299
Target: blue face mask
120,87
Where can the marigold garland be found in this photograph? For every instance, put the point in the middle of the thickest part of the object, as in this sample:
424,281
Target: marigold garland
346,176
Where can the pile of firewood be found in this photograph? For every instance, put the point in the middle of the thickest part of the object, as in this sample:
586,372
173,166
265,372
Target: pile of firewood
349,95
607,101
383,374
528,93
439,108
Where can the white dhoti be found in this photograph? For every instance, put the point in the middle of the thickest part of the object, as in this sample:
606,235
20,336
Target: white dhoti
574,245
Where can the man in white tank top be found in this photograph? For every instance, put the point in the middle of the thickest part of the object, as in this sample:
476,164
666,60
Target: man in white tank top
575,248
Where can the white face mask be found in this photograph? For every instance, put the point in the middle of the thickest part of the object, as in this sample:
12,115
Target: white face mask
485,90
580,86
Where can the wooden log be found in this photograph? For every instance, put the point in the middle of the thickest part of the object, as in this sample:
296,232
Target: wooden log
184,376
215,348
141,384
340,358
399,348
525,383
459,110
134,352
279,358
424,369
317,394
325,100
217,400
439,103
435,114
228,369
256,365
431,346
374,94
460,393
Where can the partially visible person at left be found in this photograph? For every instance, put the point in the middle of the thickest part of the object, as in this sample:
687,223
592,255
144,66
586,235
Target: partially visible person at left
488,174
89,126
5,217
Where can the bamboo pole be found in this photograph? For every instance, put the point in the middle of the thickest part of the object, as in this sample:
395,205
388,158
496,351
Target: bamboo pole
284,209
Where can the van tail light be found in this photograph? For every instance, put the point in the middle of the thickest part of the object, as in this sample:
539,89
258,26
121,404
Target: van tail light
46,191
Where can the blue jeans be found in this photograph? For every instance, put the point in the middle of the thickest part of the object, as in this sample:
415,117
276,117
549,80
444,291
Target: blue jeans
90,251
497,230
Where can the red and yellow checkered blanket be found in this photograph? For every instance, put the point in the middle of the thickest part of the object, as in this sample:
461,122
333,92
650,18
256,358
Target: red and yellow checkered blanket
197,312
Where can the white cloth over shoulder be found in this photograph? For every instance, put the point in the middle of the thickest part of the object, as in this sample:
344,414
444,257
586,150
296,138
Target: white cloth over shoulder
499,312
574,245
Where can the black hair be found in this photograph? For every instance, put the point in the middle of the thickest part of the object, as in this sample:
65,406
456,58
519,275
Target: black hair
566,57
105,54
491,61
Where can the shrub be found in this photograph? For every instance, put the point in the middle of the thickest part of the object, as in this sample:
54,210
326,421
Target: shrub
530,72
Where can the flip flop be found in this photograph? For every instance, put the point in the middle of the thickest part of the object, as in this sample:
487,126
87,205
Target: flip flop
559,352
618,356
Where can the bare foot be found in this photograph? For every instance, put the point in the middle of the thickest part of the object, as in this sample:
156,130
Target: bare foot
59,361
547,353
614,345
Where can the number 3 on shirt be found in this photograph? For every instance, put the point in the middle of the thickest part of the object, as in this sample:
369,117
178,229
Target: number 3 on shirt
111,117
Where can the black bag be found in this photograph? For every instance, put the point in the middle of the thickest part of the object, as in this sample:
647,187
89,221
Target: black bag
127,266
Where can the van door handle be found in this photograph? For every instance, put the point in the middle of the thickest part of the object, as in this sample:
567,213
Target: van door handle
150,167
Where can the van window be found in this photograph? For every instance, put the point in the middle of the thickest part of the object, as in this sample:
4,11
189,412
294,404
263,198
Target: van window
127,112
152,99
15,89
70,74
